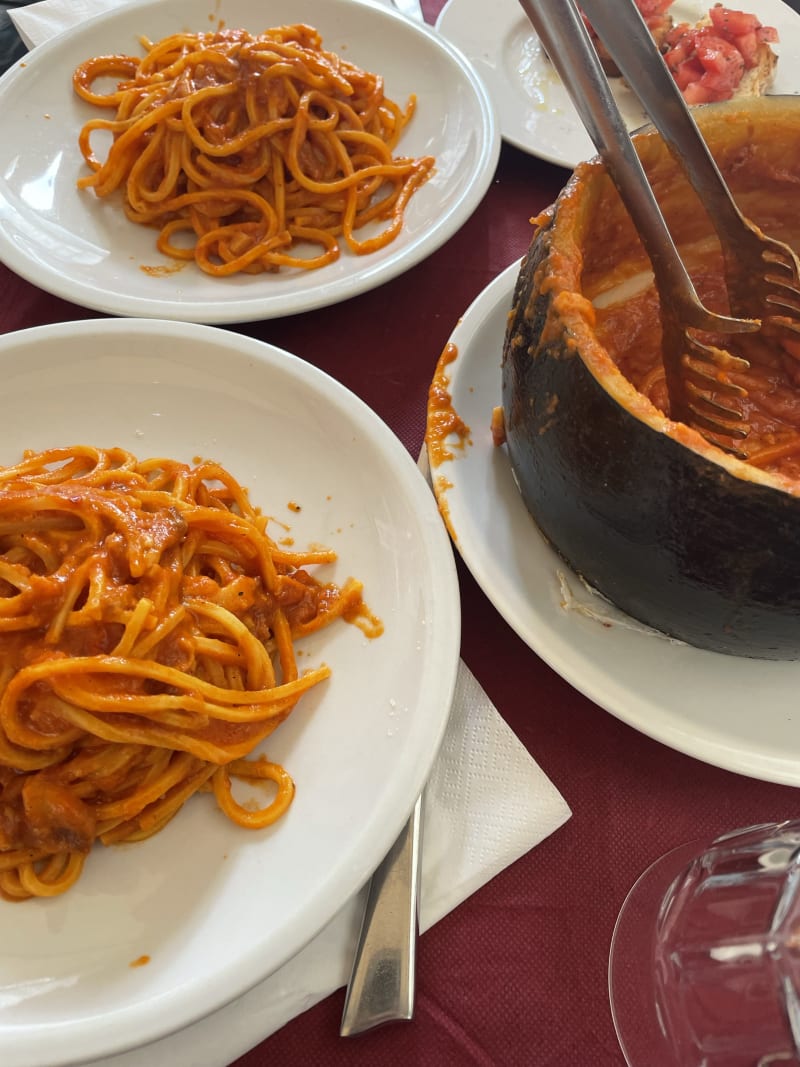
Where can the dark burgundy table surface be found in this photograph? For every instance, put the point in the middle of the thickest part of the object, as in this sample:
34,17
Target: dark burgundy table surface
516,974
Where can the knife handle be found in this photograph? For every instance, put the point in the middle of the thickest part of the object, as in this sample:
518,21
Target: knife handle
381,986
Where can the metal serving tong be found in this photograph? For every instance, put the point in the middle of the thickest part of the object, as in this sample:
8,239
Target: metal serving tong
762,274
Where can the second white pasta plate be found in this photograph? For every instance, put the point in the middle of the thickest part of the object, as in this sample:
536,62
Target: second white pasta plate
697,702
534,109
214,907
69,243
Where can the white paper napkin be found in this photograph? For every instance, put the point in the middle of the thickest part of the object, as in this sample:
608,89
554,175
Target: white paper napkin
486,804
37,23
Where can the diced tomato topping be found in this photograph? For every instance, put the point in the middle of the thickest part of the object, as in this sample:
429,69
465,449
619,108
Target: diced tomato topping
748,43
695,93
730,23
680,45
708,62
691,70
652,11
743,30
720,58
658,25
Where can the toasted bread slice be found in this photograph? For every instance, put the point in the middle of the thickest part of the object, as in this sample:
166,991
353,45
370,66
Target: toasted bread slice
754,65
757,80
725,55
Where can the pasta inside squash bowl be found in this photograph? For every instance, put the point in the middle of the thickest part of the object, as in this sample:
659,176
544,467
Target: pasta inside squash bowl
681,535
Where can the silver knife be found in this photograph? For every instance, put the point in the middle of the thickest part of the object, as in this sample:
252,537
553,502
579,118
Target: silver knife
381,986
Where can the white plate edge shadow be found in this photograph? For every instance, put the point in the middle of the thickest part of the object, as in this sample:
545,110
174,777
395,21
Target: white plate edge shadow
441,637
646,680
433,217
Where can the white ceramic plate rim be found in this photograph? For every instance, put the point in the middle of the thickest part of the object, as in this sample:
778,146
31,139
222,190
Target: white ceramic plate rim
67,242
433,622
534,110
700,703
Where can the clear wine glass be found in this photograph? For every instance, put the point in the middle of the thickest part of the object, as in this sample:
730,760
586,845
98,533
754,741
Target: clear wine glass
704,968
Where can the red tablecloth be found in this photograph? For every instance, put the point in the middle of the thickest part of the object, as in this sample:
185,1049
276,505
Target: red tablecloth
517,974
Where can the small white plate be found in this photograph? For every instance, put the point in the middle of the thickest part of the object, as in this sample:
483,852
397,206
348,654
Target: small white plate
736,713
534,109
70,243
215,907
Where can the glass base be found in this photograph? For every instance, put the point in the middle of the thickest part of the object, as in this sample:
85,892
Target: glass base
630,965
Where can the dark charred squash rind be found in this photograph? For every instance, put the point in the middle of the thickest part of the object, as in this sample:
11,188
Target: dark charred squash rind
664,531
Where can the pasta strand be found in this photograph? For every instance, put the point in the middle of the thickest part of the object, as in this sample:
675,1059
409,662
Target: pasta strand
147,647
247,151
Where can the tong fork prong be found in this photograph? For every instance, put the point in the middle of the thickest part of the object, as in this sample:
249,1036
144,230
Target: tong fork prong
788,324
567,42
716,423
565,37
702,381
746,248
708,363
700,386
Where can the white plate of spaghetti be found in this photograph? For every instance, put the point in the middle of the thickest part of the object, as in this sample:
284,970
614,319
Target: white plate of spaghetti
174,585
222,169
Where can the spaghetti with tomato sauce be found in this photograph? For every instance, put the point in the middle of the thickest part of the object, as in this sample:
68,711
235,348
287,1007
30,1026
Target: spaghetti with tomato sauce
147,646
250,152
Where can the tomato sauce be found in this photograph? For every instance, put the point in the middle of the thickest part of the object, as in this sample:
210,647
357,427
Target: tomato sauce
631,332
763,174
